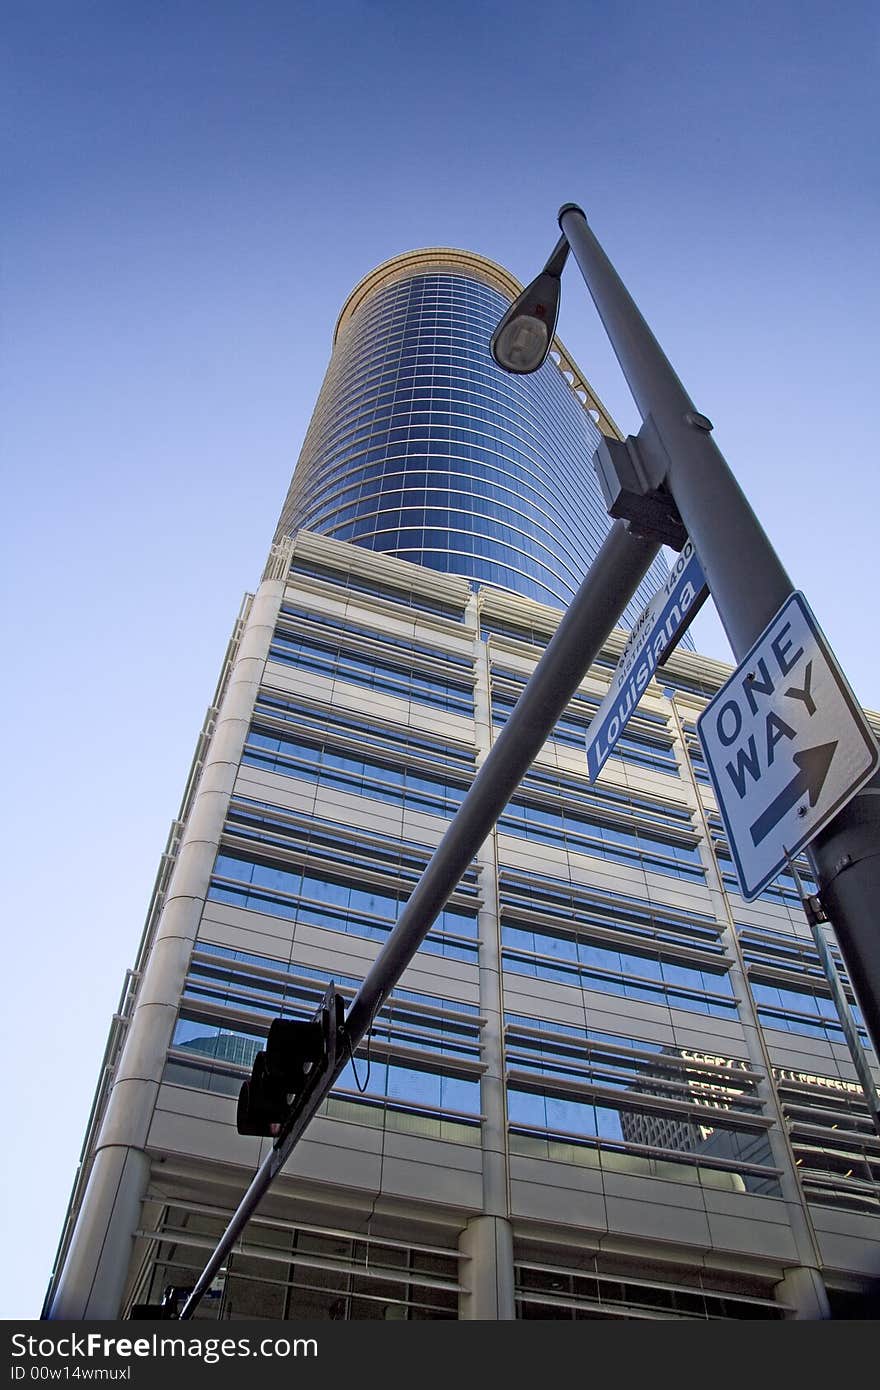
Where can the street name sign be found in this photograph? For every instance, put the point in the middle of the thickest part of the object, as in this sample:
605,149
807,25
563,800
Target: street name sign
786,745
651,640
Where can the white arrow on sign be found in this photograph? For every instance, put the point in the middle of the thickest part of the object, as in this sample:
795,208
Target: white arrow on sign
786,745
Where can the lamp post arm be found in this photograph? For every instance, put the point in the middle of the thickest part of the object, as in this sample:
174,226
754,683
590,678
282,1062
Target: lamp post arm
745,575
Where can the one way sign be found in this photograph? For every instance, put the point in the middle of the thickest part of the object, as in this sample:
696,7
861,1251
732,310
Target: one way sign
786,745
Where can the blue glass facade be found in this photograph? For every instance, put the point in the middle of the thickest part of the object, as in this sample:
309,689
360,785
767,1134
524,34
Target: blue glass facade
420,447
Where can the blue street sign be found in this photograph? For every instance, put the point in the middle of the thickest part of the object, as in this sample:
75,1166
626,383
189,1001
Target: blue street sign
653,636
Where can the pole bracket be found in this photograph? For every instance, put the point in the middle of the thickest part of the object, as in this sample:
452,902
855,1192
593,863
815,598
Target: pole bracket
813,909
632,475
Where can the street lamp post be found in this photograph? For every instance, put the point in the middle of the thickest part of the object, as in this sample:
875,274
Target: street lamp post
745,575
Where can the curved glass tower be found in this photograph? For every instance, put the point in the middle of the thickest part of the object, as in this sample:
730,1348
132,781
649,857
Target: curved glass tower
422,448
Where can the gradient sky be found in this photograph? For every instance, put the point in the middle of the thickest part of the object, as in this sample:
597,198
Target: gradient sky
191,189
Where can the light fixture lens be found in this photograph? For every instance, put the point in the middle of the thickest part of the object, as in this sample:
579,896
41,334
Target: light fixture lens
522,344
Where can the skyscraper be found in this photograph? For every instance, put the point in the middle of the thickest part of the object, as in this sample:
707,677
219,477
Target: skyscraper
421,448
606,1086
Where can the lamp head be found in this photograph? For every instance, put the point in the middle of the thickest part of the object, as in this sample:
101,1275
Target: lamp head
521,341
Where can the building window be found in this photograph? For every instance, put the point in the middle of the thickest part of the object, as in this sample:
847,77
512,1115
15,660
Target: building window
357,732
783,886
303,1272
328,845
586,964
835,1142
579,1285
362,657
695,753
356,584
613,943
422,1058
517,632
578,1095
320,899
796,1009
588,833
645,741
329,765
789,986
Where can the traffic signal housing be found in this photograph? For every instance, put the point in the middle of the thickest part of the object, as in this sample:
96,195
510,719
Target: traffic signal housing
280,1073
173,1299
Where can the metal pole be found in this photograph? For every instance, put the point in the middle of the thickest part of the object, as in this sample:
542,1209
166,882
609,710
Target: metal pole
749,585
608,586
610,583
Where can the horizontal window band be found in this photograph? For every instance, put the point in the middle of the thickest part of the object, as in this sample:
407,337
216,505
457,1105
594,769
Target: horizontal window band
448,793
440,1311
621,1050
582,897
319,904
323,836
847,1143
580,842
376,675
613,935
402,1107
612,1085
537,792
646,1151
600,1066
831,1184
238,840
279,1223
333,635
565,824
401,756
287,708
427,1058
207,1001
640,1102
266,902
272,1254
235,1073
327,581
454,1010
651,727
338,627
608,1276
813,1092
796,1016
644,982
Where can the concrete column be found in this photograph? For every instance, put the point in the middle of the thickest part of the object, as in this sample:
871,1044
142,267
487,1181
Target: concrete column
92,1278
758,1051
805,1291
492,1087
487,1275
487,1240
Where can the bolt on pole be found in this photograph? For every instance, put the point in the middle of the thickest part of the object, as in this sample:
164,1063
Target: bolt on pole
748,584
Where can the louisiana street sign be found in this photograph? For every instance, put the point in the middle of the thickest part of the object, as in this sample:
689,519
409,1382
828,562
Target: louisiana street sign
786,745
650,642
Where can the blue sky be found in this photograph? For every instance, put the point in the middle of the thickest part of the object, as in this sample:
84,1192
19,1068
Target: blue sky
191,191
